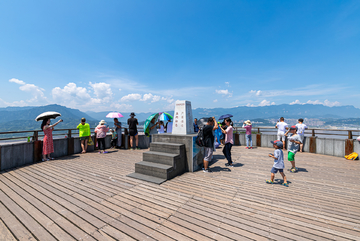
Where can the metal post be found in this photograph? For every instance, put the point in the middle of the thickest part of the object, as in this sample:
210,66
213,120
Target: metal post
69,133
313,132
36,136
350,135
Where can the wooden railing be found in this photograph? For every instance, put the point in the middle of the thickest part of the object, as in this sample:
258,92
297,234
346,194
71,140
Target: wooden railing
350,134
36,134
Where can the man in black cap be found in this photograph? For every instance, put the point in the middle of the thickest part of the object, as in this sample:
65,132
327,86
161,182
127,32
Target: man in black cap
133,133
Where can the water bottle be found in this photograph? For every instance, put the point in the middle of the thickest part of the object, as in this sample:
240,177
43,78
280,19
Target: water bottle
28,139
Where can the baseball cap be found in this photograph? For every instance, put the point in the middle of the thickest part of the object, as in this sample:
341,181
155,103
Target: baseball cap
293,128
278,143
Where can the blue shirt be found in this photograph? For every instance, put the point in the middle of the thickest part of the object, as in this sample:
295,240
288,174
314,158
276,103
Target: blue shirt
196,128
279,161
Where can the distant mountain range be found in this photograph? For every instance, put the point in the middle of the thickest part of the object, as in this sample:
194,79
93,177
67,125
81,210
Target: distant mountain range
23,118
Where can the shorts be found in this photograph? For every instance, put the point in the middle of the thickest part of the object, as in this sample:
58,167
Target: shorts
302,138
281,136
275,170
291,156
208,153
133,132
84,138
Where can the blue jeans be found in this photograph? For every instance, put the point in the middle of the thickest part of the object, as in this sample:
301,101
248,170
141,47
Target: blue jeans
248,138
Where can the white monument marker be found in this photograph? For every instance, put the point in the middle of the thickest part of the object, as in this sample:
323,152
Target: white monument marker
183,118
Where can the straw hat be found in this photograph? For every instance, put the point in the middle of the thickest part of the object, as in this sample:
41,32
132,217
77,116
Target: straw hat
248,122
102,122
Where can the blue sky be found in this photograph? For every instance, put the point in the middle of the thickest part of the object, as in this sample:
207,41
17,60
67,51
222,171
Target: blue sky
144,55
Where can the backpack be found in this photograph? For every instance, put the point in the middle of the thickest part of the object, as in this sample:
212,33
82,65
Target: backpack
200,140
352,156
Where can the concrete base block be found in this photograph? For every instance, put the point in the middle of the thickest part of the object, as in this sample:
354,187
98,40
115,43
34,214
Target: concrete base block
306,144
242,139
320,146
357,147
329,147
15,155
339,148
349,146
60,148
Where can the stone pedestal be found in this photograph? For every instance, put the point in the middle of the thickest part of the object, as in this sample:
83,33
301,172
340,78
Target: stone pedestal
194,153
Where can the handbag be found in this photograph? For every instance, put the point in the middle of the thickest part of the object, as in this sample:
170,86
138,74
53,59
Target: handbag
90,141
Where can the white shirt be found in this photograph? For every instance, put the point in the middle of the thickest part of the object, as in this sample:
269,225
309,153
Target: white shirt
301,129
161,129
169,127
281,126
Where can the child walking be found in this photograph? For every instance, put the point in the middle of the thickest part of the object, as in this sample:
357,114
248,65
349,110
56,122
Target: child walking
294,140
278,163
247,125
114,137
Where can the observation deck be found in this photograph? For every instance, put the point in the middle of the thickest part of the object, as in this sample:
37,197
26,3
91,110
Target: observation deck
89,197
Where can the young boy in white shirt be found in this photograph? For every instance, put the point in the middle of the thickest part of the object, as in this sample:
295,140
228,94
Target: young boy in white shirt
282,127
301,132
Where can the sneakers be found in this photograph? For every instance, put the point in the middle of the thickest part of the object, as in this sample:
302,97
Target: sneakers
269,182
293,170
285,184
229,165
44,160
207,170
250,147
137,148
105,152
246,147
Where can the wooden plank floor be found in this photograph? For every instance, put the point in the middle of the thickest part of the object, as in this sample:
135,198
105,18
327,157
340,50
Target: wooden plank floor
89,197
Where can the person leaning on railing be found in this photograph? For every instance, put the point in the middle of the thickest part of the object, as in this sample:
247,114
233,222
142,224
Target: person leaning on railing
84,133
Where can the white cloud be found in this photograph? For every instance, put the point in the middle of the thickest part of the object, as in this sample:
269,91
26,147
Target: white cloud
156,98
252,91
70,93
250,105
102,91
131,97
325,103
147,97
215,101
264,103
37,93
224,92
258,93
168,99
296,102
273,103
20,82
121,107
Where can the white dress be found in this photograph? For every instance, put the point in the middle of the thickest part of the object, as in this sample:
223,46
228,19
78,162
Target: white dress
161,130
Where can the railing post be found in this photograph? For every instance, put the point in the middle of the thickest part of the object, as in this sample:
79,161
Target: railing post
36,136
258,130
350,136
70,142
313,132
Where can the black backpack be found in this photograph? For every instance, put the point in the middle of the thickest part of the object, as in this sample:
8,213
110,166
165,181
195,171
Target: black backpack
200,140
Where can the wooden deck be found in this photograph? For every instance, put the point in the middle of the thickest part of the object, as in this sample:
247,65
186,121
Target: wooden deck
89,197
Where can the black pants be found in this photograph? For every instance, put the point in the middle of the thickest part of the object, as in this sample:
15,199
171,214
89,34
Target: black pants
113,142
227,152
101,143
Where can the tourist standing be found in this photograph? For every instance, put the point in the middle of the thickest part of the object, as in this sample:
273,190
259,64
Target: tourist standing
118,131
294,142
84,134
113,138
133,132
278,163
247,125
196,127
209,142
229,142
101,131
301,132
282,127
48,143
169,126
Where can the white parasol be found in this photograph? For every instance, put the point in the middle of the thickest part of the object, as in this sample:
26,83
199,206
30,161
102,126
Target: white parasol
48,114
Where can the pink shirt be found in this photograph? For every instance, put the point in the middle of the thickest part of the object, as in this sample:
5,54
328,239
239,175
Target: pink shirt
229,135
248,129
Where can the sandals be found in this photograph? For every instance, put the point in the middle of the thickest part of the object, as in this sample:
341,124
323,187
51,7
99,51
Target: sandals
285,184
269,182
